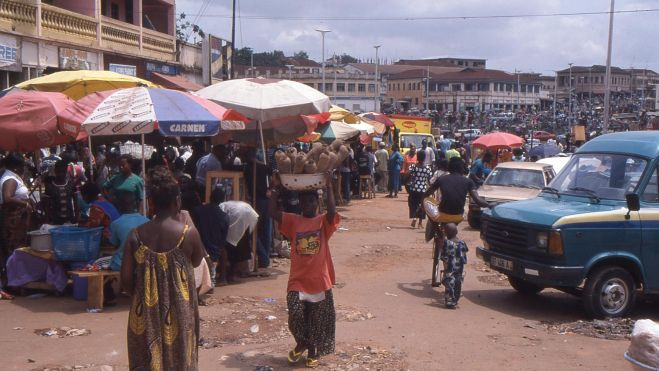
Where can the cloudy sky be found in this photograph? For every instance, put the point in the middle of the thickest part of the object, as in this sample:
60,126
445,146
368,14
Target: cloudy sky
415,29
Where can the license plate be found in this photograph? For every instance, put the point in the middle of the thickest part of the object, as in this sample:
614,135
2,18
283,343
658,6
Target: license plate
501,263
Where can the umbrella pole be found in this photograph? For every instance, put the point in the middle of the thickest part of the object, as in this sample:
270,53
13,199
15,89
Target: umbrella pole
144,206
91,157
265,155
255,234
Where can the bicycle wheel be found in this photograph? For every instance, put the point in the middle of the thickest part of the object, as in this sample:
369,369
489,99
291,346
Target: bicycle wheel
435,262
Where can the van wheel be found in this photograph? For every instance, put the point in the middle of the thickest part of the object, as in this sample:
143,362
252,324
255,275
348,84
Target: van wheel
609,291
473,220
524,287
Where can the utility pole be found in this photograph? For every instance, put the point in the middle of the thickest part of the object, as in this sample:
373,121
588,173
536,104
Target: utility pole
555,91
607,92
233,39
376,97
428,88
323,32
569,105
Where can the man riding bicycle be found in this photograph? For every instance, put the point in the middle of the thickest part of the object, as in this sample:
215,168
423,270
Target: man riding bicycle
454,188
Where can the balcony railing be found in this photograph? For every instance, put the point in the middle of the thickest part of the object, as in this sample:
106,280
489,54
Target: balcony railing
157,41
62,21
66,26
18,11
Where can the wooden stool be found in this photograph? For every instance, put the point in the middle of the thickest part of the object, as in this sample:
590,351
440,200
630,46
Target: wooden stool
338,190
366,187
95,282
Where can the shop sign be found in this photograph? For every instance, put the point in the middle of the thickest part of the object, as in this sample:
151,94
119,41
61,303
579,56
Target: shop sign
162,68
10,54
73,59
124,69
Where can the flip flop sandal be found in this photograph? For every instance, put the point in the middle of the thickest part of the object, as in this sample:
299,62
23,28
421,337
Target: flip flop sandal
294,357
312,362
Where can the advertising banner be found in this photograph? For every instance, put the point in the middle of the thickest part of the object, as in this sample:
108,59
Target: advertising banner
10,53
124,69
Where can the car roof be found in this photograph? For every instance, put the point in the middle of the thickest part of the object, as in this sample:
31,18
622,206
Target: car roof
523,165
642,143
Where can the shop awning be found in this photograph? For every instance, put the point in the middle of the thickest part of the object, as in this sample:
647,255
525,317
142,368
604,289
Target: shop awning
174,82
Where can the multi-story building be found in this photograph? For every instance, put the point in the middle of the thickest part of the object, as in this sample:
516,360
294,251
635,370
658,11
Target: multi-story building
446,62
643,82
590,81
468,89
135,37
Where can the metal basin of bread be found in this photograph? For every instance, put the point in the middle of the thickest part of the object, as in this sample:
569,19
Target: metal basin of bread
302,182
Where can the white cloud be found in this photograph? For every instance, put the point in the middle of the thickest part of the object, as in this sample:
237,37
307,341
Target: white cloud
540,44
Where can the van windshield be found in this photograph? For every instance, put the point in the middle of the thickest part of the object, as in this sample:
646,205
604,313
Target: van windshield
407,139
607,176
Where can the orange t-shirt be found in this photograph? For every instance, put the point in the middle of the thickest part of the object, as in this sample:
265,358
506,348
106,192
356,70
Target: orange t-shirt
312,270
407,162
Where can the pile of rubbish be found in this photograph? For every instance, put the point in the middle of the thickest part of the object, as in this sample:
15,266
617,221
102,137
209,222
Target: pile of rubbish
609,329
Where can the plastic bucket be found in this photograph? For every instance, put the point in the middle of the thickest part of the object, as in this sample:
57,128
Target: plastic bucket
79,283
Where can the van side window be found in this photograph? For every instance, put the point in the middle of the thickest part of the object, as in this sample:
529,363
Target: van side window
651,192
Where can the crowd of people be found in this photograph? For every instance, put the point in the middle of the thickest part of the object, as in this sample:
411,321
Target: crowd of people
167,224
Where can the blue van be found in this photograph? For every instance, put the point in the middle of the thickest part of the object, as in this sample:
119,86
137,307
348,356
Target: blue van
594,231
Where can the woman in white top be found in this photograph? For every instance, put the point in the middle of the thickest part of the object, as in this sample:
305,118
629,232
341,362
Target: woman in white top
15,209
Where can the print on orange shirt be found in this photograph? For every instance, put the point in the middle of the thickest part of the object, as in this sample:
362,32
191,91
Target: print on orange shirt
307,243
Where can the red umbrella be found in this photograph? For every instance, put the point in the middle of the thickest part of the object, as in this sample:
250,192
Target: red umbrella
498,140
28,120
379,117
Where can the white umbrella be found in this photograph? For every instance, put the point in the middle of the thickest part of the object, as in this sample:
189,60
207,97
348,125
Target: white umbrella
281,108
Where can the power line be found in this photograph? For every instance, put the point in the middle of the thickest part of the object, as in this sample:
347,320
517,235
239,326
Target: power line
428,18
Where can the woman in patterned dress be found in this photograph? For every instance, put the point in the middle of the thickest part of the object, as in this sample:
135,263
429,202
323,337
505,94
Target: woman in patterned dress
419,182
157,271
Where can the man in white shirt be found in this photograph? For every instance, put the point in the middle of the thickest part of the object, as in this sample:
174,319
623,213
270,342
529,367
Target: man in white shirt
382,168
430,154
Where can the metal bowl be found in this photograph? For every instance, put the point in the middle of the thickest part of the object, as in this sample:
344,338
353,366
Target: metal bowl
302,182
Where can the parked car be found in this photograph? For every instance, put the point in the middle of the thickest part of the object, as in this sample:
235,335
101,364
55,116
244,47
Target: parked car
510,181
543,135
593,232
469,133
558,162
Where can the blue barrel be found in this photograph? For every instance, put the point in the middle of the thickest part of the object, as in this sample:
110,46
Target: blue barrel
79,283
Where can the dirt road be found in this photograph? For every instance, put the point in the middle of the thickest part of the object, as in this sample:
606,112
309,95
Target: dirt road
388,315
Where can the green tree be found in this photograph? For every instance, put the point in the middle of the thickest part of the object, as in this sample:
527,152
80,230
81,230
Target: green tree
346,58
301,55
185,29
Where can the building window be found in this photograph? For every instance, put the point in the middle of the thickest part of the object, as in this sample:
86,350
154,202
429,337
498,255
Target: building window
309,84
509,87
361,88
398,86
351,88
356,108
114,11
340,87
371,88
329,86
536,89
456,87
484,87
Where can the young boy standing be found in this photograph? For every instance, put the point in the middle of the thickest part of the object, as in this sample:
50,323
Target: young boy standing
454,256
311,314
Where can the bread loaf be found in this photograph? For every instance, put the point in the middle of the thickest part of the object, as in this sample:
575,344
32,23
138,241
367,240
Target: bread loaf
298,165
343,153
310,167
323,164
315,152
336,144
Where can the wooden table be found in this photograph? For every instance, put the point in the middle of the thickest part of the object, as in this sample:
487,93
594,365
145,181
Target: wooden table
95,282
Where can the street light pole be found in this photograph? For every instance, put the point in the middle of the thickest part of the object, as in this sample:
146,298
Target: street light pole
607,91
519,90
555,91
569,105
290,72
377,90
323,32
